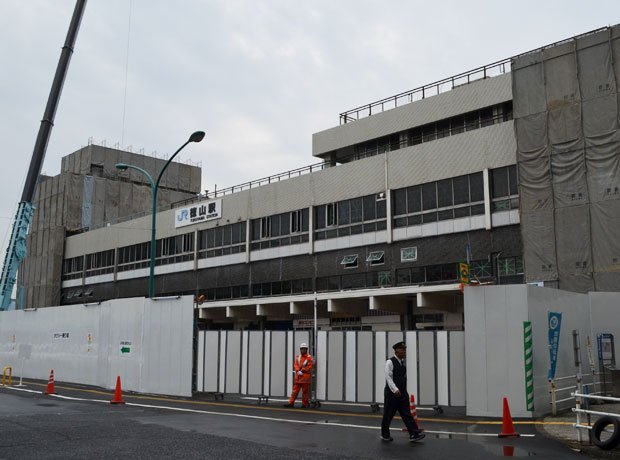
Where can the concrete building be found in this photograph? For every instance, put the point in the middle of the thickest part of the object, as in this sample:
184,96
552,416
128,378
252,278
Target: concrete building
90,193
512,166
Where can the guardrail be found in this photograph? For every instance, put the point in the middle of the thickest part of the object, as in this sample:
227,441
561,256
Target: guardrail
559,388
595,430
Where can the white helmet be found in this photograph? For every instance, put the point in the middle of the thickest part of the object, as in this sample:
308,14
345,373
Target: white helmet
303,345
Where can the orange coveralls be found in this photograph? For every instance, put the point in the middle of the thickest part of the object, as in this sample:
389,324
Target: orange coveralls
303,363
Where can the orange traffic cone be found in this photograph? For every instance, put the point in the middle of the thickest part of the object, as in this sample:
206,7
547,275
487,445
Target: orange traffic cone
118,394
508,430
50,385
414,411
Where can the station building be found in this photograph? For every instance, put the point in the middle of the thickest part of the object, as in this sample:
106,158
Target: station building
512,167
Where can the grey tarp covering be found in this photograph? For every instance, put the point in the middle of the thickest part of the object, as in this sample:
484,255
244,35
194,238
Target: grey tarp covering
98,210
112,192
568,156
87,201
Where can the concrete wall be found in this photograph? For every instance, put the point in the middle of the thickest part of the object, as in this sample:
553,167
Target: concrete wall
83,344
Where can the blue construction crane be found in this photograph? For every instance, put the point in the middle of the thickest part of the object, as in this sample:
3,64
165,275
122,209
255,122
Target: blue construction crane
16,250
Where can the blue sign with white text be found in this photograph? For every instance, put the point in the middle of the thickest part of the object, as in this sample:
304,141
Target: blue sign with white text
555,322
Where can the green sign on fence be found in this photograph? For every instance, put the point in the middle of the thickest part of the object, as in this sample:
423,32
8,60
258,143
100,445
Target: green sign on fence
529,365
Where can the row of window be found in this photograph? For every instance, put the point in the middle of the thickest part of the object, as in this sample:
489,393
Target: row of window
431,202
479,270
443,128
348,212
280,225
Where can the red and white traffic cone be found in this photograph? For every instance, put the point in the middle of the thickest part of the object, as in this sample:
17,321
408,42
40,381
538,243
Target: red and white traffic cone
414,412
50,385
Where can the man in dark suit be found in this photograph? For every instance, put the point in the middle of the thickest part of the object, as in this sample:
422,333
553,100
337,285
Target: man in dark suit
396,398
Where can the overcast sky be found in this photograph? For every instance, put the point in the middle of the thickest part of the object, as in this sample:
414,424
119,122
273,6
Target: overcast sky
258,76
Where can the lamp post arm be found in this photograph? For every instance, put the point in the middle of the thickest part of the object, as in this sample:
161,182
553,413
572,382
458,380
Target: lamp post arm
137,168
161,173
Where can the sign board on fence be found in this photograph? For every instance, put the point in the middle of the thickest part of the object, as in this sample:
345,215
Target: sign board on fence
125,347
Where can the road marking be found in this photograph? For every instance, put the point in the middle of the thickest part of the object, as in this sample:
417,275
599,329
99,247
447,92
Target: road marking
259,417
305,411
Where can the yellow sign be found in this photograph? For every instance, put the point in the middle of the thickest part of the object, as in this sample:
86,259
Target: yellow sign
464,273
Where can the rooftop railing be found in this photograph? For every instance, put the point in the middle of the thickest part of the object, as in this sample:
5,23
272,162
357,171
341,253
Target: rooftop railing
431,89
447,84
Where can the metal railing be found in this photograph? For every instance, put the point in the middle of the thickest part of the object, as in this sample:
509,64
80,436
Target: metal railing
447,84
431,89
560,387
579,411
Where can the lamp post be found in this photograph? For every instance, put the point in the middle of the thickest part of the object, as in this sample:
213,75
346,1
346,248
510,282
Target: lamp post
195,137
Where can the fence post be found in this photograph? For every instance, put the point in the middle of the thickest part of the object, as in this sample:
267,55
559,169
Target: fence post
553,403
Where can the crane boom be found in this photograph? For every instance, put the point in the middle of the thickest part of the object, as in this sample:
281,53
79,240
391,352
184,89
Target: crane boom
16,250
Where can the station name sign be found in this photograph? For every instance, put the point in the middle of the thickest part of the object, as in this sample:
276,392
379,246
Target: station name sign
197,213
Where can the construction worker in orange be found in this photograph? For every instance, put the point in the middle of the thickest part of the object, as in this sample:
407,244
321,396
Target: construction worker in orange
303,376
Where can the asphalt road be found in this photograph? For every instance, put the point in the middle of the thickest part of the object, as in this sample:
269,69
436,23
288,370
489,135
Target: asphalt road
36,426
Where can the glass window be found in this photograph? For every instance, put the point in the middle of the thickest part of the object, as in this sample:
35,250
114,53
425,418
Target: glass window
227,236
343,212
443,128
274,226
486,116
370,212
415,136
457,124
429,132
255,229
444,193
331,214
403,276
461,212
285,223
433,273
349,261
414,203
429,217
380,209
429,196
418,275
499,182
375,258
446,214
461,189
512,180
472,121
409,254
476,187
399,201
356,210
319,216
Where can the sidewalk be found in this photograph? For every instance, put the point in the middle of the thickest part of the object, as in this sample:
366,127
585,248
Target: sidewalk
561,428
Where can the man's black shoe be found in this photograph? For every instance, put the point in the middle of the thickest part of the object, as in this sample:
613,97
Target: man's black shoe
387,438
417,437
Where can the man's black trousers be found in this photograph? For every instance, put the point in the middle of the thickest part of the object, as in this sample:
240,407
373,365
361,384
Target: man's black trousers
400,404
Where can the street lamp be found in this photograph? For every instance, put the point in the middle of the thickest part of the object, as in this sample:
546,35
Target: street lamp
195,137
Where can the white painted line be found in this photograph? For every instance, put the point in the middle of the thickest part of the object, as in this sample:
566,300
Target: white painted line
273,419
23,389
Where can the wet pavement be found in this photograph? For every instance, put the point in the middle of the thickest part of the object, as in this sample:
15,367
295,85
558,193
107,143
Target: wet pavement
81,423
561,428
